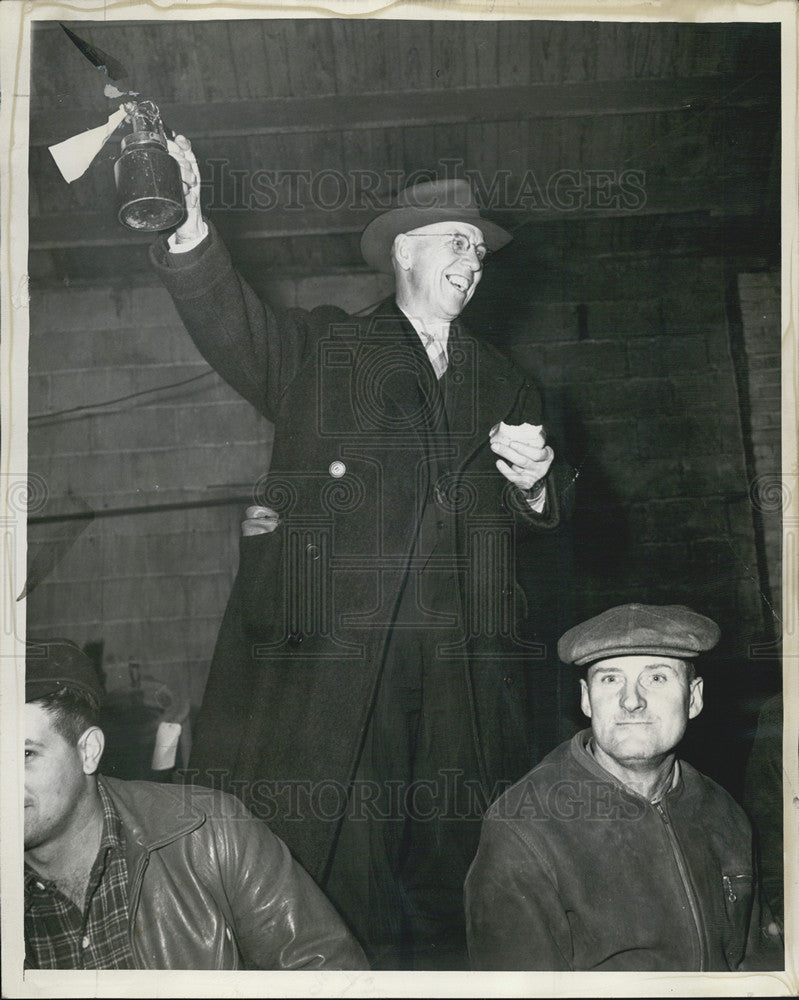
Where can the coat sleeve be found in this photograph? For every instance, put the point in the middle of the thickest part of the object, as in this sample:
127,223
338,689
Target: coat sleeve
256,349
560,480
514,917
281,918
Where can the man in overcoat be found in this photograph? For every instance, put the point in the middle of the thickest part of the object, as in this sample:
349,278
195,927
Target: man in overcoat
367,691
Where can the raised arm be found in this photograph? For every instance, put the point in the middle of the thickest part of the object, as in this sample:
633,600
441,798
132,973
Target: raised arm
255,348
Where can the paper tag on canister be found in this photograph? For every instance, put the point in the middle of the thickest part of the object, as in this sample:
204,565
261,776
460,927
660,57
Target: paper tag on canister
73,156
166,746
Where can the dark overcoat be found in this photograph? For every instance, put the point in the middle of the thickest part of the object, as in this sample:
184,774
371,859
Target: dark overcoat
355,404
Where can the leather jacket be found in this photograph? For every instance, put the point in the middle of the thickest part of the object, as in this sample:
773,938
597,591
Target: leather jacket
577,872
211,887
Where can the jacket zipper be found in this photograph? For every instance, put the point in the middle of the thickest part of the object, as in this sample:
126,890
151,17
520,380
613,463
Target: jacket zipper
731,883
678,857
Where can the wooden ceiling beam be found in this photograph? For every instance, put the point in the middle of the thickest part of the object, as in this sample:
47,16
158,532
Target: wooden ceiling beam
403,109
556,245
101,229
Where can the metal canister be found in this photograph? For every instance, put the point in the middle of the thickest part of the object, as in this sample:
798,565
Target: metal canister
149,186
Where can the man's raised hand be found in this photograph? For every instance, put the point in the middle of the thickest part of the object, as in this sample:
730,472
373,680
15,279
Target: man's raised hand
192,227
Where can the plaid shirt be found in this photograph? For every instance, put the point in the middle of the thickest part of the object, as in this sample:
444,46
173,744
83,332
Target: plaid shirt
58,935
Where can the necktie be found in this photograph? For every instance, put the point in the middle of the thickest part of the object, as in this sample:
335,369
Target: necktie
437,352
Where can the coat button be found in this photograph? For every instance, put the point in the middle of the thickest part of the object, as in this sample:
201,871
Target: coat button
337,469
295,638
313,551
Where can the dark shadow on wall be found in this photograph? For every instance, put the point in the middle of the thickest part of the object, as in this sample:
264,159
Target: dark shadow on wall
602,560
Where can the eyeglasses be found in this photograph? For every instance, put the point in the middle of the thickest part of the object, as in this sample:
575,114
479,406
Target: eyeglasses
461,244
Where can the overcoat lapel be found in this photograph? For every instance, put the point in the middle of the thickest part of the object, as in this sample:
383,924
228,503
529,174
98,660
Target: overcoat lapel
403,384
479,393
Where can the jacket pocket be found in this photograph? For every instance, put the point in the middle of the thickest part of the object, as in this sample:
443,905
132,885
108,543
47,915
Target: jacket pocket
737,890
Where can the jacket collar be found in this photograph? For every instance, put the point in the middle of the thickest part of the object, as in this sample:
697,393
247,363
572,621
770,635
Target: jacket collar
147,824
580,751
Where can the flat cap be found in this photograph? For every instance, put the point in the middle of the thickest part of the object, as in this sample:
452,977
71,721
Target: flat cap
639,629
52,664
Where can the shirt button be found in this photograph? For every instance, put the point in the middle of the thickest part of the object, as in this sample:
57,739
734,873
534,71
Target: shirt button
85,942
337,469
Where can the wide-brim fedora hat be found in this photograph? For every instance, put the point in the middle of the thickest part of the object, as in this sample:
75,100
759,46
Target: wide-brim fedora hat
423,204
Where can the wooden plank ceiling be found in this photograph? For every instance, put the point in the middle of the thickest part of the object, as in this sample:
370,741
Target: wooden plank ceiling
304,127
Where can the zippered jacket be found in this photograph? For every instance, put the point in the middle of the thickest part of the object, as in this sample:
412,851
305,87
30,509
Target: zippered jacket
576,872
211,887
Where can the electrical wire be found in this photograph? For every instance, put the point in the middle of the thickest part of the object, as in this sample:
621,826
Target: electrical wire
88,407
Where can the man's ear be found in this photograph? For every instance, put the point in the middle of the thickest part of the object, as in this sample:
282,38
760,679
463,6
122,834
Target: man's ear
401,251
695,699
585,700
90,747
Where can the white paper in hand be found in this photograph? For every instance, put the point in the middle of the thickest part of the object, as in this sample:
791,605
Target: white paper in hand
531,434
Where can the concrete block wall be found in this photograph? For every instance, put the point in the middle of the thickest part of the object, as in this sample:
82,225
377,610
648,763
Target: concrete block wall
150,586
759,295
637,360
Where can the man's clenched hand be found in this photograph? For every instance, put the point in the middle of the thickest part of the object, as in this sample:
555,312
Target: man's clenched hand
524,456
192,227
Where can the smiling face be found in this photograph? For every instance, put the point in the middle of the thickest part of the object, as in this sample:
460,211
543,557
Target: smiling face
639,706
56,782
434,281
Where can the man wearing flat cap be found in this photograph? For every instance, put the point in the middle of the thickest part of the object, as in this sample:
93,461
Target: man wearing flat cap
613,854
136,875
370,668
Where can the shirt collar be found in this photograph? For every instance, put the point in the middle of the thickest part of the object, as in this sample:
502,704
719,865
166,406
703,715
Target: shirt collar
112,836
675,771
440,336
